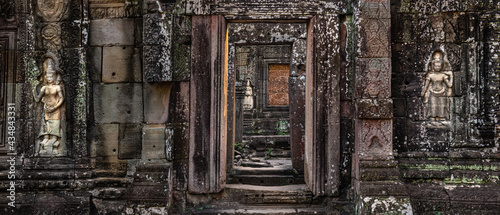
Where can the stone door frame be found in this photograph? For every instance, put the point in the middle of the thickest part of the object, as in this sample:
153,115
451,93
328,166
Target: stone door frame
209,114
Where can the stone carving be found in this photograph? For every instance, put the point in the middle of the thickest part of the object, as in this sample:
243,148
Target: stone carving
437,88
51,10
51,93
375,138
51,34
373,78
248,100
107,9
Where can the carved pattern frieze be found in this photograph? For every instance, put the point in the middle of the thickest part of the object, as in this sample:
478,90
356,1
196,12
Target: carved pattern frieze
106,9
375,34
373,78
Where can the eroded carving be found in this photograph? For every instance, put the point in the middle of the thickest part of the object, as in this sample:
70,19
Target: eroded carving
51,10
50,92
437,88
375,138
51,34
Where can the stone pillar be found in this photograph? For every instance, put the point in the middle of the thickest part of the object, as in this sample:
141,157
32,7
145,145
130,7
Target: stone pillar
375,169
297,97
322,148
208,114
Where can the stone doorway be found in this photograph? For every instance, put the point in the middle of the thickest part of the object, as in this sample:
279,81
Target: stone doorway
262,145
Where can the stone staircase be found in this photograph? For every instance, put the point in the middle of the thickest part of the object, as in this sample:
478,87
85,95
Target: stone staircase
256,200
281,173
269,190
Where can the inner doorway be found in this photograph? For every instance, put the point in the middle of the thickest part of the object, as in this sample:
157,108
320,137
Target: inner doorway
262,144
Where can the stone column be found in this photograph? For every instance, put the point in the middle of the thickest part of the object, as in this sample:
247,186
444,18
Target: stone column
208,114
376,178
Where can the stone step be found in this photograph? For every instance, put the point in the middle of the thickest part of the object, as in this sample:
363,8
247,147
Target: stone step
266,180
275,170
264,210
254,194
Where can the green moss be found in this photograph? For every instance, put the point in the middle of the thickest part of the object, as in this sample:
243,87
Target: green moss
466,167
427,167
32,71
465,180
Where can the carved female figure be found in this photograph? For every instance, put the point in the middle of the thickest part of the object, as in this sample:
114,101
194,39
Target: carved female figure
248,100
51,94
437,88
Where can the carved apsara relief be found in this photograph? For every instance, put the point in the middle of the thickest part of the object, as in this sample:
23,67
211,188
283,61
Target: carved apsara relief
437,89
49,94
248,100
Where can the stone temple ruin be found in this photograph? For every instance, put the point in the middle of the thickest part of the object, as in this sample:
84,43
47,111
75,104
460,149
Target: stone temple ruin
250,107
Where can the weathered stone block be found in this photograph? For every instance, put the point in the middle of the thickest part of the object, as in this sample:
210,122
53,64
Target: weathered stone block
118,103
181,58
71,35
157,29
451,5
108,206
157,63
108,32
181,48
121,64
179,103
267,32
409,85
130,139
415,108
399,107
105,141
153,142
148,194
403,28
61,203
156,102
177,137
374,108
379,174
298,59
95,66
346,109
373,78
428,6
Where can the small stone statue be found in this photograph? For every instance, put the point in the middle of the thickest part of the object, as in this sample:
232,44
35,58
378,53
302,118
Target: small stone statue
52,96
437,88
248,100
